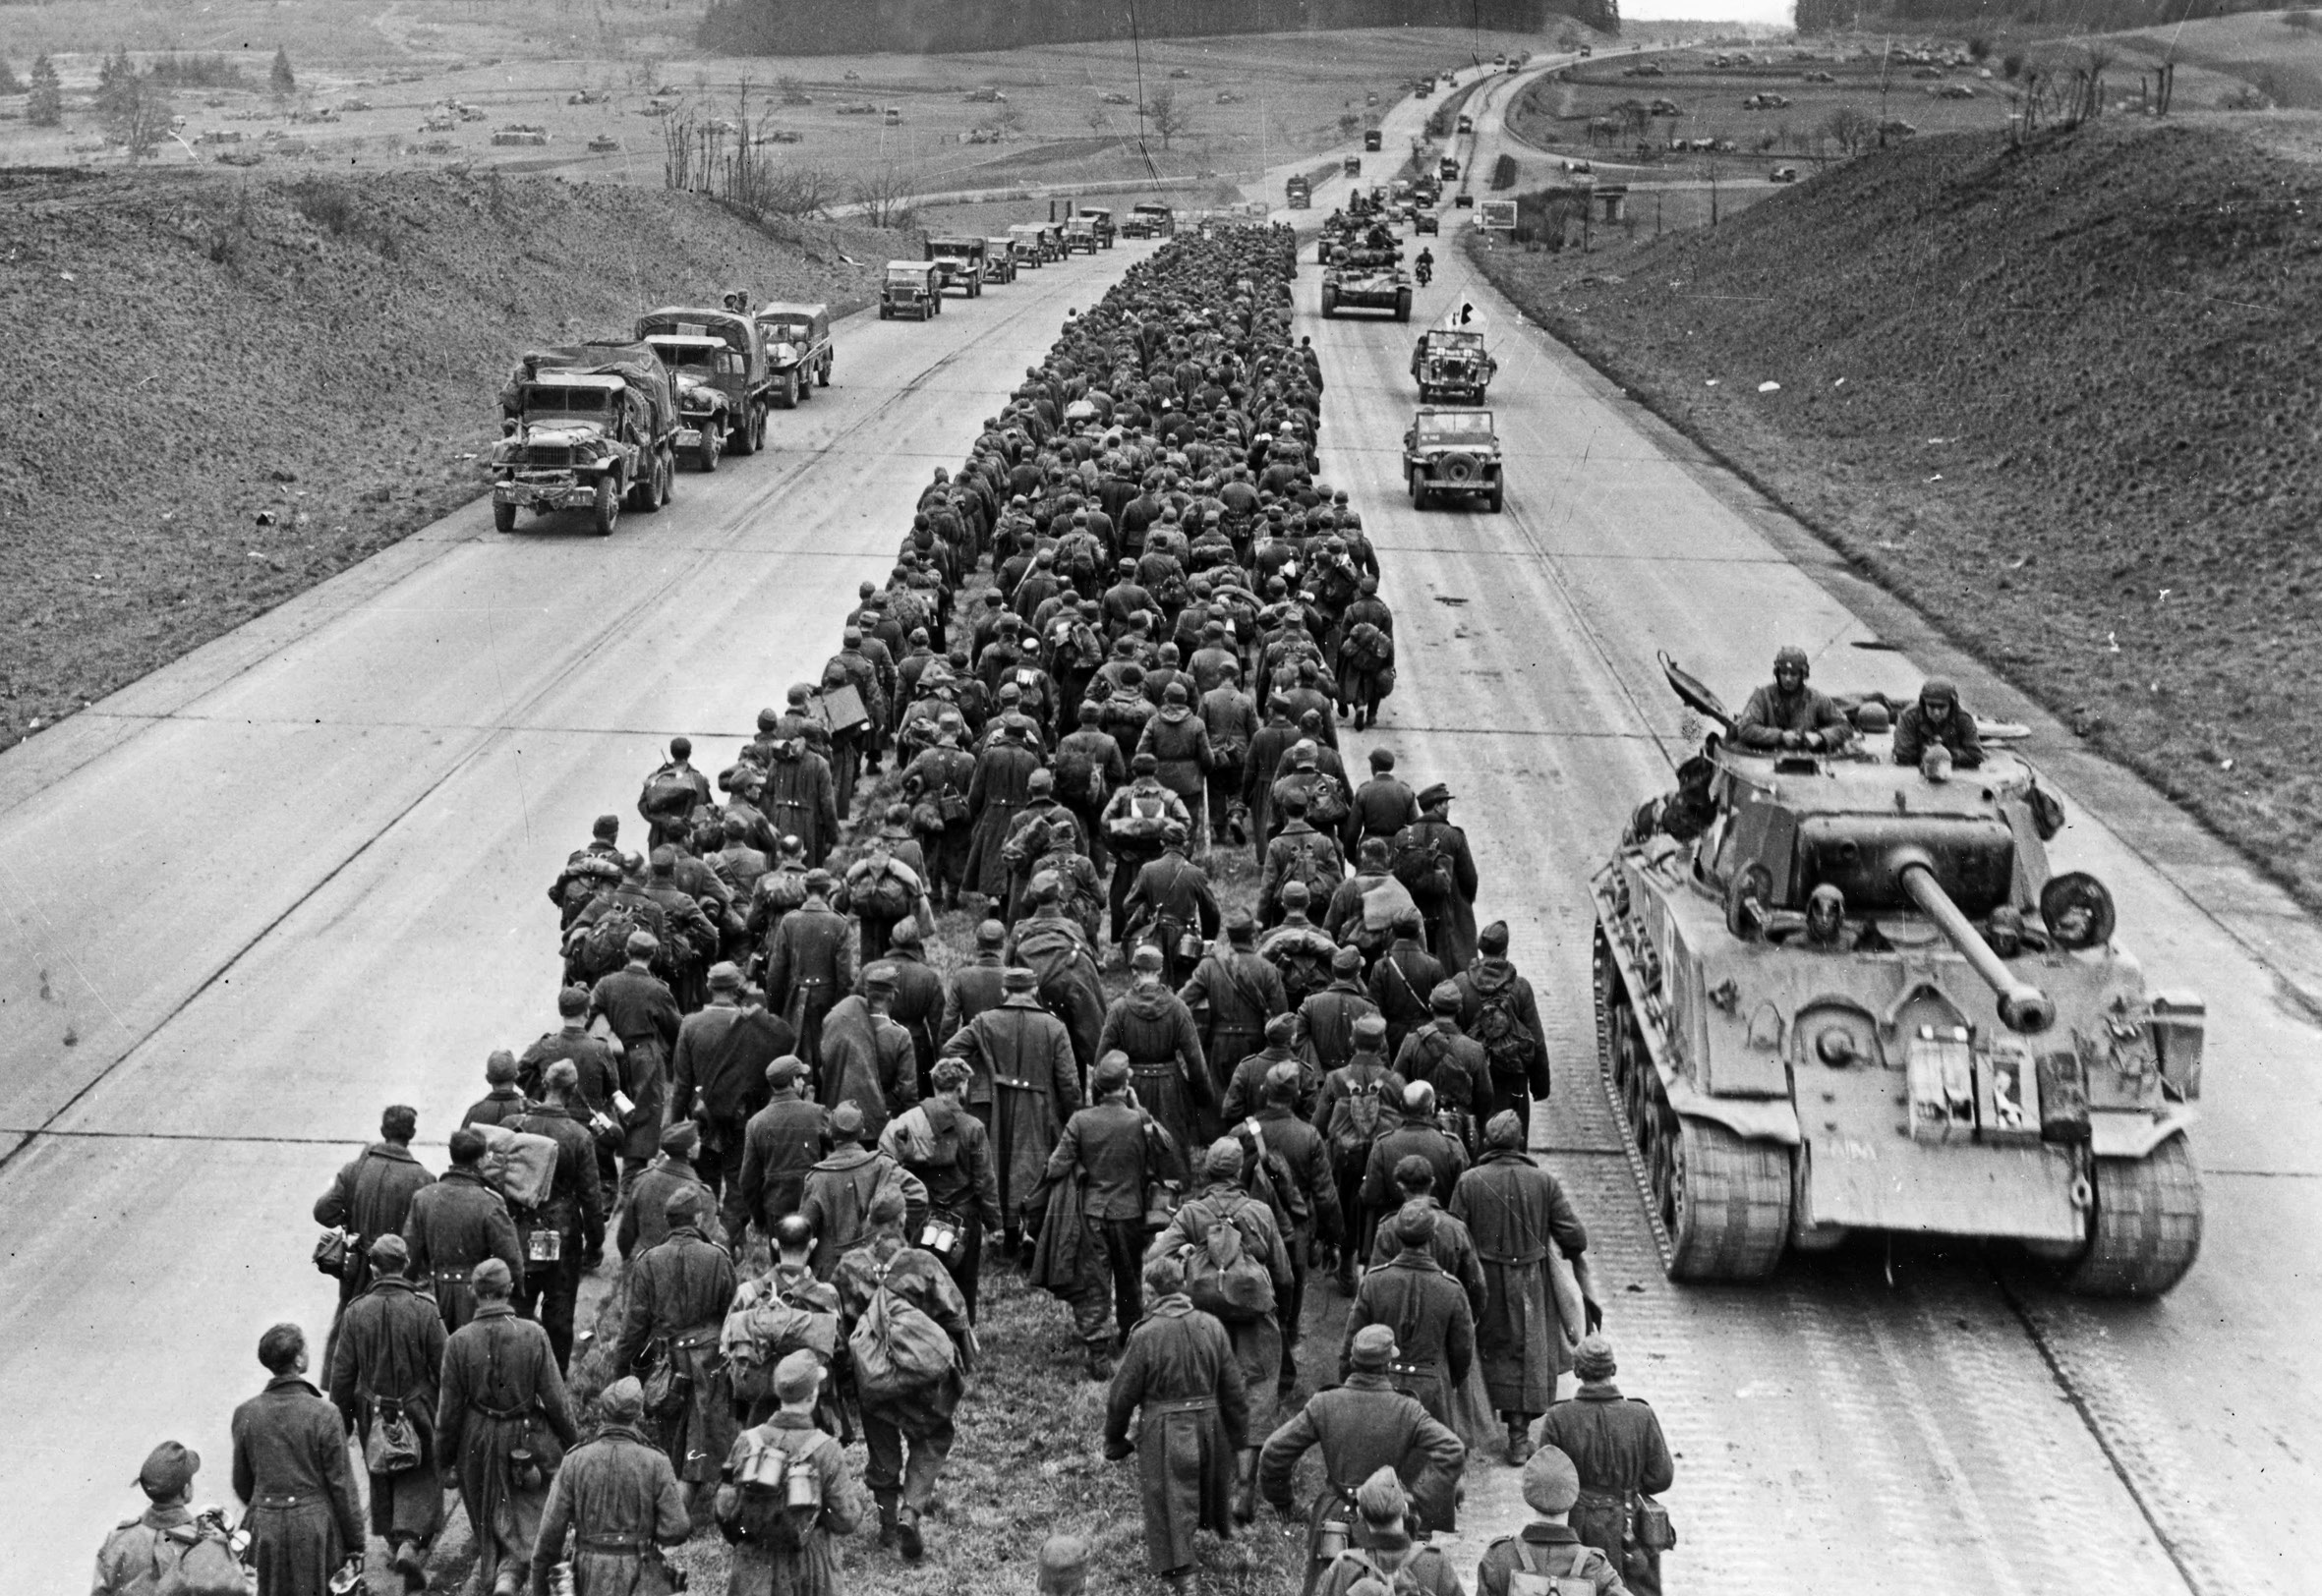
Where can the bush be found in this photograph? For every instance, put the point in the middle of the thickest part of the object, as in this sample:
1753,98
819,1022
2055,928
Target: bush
1503,172
280,78
1978,48
2013,64
341,210
195,72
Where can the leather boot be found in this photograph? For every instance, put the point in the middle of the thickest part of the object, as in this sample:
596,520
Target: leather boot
1100,1364
887,1501
1245,1487
1520,1448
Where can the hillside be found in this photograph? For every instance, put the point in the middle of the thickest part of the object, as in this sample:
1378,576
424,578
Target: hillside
2067,400
228,391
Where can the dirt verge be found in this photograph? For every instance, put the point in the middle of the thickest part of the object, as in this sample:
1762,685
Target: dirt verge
2061,399
231,389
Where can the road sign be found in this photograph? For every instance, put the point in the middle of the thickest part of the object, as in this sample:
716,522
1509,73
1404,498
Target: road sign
1499,214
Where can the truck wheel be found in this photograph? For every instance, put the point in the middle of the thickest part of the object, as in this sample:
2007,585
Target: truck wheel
1329,302
712,446
1419,488
1499,492
608,513
826,371
758,427
789,391
886,313
504,517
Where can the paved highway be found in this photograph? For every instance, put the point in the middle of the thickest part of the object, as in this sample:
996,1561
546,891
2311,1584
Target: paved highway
1913,1421
298,875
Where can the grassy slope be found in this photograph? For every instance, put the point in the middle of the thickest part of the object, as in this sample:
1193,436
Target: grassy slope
213,352
2064,400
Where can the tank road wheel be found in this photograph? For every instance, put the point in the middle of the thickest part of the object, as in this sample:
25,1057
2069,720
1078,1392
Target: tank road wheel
1726,1203
2147,1229
1402,304
1329,301
608,511
503,518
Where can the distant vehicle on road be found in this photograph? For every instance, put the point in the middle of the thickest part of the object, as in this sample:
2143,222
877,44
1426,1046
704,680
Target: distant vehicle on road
1782,174
912,288
1466,124
714,349
1149,220
1100,218
959,263
1454,453
1579,166
1371,138
1352,166
587,427
1298,195
798,340
1452,366
1448,170
999,261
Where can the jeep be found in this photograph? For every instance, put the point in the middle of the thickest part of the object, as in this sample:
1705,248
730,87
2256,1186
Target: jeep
1454,453
1450,363
912,288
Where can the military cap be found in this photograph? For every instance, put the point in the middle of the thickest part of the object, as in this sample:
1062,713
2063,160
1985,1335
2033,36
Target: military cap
1436,794
1444,999
1373,1349
1041,780
797,1375
607,827
879,977
1504,1130
1493,939
817,881
990,933
1018,978
1224,1158
681,1137
785,1069
643,944
1346,961
1369,1028
622,1401
501,1068
725,976
1146,960
168,1469
1592,1359
846,1122
1064,1566
573,1000
1550,1483
388,1253
1112,1073
490,1278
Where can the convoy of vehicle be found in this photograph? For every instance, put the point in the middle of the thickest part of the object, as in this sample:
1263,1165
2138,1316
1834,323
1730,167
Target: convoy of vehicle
798,340
713,355
959,265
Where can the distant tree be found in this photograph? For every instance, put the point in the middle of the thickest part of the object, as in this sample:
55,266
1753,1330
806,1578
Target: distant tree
134,113
1010,116
46,107
1169,118
1099,118
1850,127
1978,48
9,84
2013,64
281,79
883,195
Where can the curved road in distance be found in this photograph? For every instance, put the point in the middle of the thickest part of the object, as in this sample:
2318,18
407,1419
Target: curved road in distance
250,900
1955,1429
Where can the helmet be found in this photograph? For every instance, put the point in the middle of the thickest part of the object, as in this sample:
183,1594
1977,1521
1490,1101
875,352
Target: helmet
1791,654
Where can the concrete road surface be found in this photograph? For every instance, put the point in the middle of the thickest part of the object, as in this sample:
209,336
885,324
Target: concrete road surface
300,875
1917,1421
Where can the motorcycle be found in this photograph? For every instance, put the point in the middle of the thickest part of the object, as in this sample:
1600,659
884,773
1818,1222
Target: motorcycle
1425,272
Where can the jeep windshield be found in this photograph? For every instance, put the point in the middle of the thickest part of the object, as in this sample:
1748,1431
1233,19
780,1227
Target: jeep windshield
1455,343
1456,426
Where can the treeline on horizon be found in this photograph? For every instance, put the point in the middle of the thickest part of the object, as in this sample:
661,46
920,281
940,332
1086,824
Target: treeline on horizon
1991,16
945,26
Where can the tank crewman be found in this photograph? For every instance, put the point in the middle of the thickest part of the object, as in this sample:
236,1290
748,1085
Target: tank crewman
1787,714
1938,719
290,1468
502,1422
617,1498
1546,1548
1617,1446
1179,1375
455,1223
384,1365
1365,1424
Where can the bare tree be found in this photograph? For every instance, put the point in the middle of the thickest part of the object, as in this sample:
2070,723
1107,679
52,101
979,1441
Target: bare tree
1099,118
1168,117
884,197
1850,129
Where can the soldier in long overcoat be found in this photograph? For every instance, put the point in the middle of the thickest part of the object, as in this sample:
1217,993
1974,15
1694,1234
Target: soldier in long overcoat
1021,1056
290,1467
1181,1377
371,1196
455,1223
1153,1027
1000,785
678,1295
1059,954
1365,1424
1428,1312
502,1424
388,1357
639,1008
619,1499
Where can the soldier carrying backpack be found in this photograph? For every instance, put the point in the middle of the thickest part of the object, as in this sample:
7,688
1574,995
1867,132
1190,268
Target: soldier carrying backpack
1547,1557
168,1547
1383,1551
787,1490
1361,1102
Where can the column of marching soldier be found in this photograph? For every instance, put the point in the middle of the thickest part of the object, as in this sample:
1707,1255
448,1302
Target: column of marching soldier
808,1133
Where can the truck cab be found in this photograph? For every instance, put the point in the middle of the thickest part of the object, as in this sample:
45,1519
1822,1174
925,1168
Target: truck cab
798,340
960,263
588,426
912,288
736,369
1024,242
1150,220
1100,220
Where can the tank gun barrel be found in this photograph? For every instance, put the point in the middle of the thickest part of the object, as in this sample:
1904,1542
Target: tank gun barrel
2023,1006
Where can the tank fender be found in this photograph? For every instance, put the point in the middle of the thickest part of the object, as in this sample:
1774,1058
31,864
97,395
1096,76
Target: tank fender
2135,1135
1765,1120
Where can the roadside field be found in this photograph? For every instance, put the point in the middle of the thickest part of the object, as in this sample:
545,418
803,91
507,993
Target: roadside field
2276,53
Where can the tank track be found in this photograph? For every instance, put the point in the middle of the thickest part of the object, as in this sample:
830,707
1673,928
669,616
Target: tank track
1721,1203
2147,1229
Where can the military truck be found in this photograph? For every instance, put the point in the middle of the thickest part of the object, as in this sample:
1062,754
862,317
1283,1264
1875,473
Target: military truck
798,340
1366,279
959,263
1149,220
1454,453
585,426
1452,366
1043,242
705,412
1837,996
736,367
912,288
1371,138
1000,264
1100,218
1079,234
1299,194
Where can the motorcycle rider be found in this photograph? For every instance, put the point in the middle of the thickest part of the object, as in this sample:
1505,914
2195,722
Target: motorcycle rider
1424,269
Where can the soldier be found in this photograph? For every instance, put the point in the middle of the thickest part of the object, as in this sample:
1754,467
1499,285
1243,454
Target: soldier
1111,1142
1452,1248
1358,1102
1020,1058
1419,1134
678,1293
1298,853
950,1152
1365,1424
371,1196
809,964
383,1369
1135,824
1154,1028
1383,805
619,1499
569,1224
645,1222
1326,1020
1256,1339
503,1099
800,799
1402,979
883,889
1383,1555
290,1467
767,1565
868,1060
1938,719
911,1404
1232,995
1245,1092
839,1190
1090,769
1432,860
918,1003
501,1426
1517,1211
782,1142
1788,713
937,780
1435,1326
455,1223
600,1078
672,793
1171,903
717,1076
1497,1008
1231,719
1619,1453
1454,1065
643,1015
1000,786
1181,1375
1178,741
968,991
140,1551
1277,1133
1547,1549
1300,950
693,937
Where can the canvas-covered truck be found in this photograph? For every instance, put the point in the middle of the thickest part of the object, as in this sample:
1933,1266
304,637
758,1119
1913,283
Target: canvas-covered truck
1100,218
1299,194
959,265
1148,220
716,349
798,340
585,426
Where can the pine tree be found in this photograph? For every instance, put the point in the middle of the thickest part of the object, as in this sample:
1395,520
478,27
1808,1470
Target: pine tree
281,79
46,107
9,84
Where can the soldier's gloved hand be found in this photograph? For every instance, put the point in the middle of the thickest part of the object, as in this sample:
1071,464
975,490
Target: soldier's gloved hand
1792,739
1593,1314
1119,1450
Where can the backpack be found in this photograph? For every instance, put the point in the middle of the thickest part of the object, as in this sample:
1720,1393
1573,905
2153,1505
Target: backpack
800,1316
1267,1177
898,1349
1144,818
1403,1582
1423,867
1512,1050
781,890
1304,864
1368,649
880,890
518,1165
598,949
1532,1575
667,795
1224,1276
762,1512
1327,802
1355,1121
206,1566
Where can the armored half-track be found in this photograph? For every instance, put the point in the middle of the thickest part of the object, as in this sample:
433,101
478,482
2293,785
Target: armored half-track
1837,996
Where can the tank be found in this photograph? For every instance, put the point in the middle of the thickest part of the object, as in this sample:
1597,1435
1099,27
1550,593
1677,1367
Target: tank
1835,996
